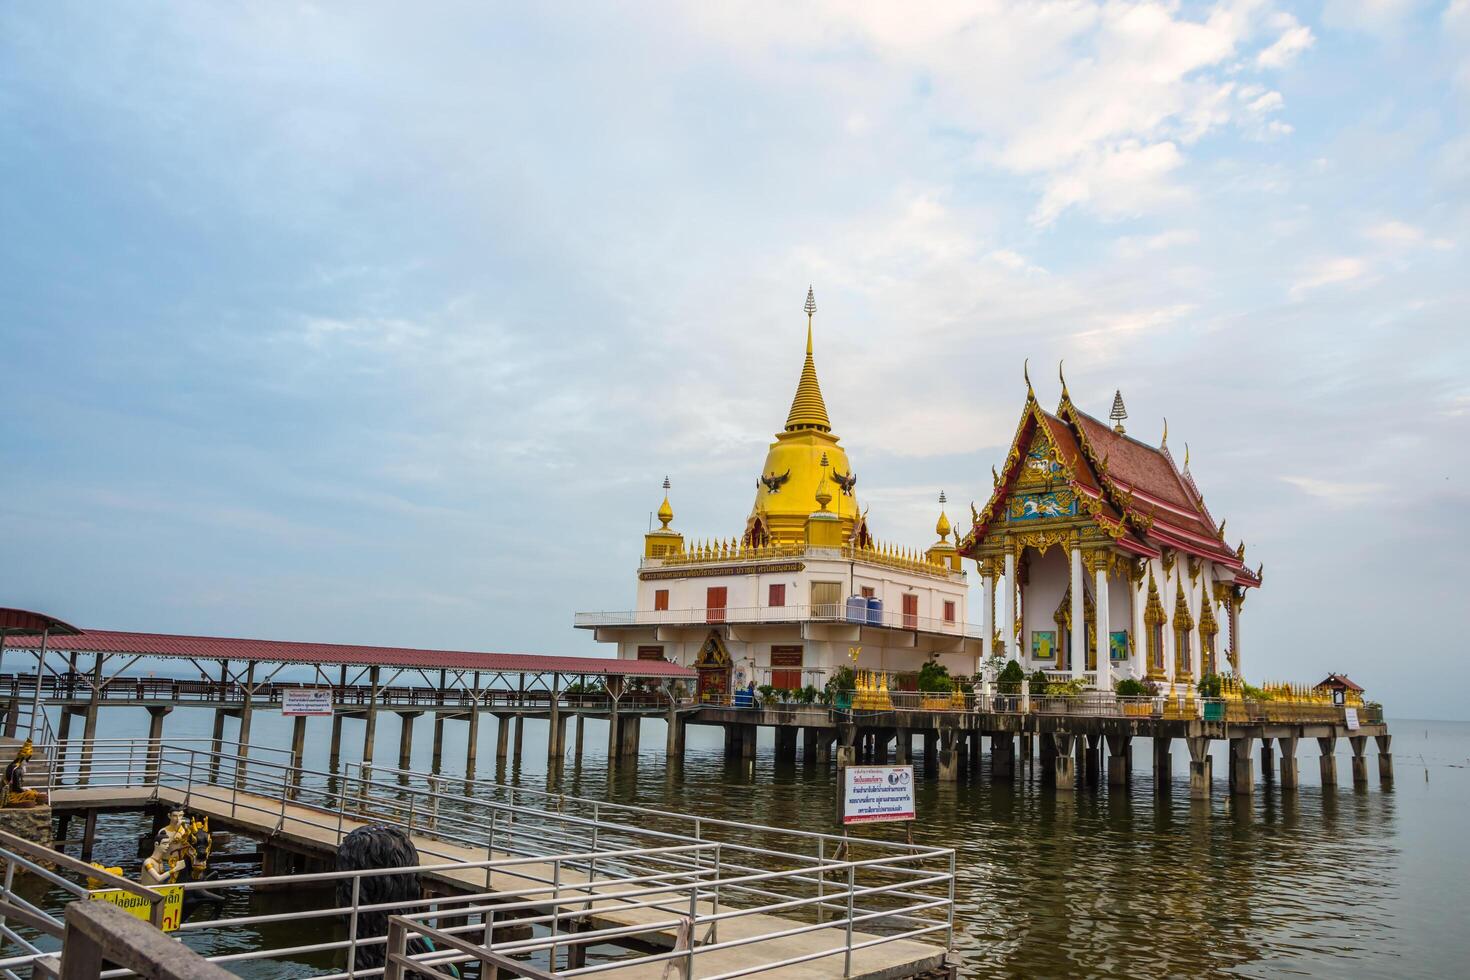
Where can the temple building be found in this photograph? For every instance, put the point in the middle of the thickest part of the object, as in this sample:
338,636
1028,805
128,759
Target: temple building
1098,558
804,587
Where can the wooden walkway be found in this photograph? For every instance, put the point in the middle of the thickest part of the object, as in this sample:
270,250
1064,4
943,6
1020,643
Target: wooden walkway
313,831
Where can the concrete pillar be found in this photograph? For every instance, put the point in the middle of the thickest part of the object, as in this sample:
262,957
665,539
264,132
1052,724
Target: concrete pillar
748,741
987,606
89,835
405,739
247,712
674,740
1064,763
1028,753
217,744
824,747
1048,756
12,718
1268,762
1360,761
1104,649
577,750
1200,775
1120,748
370,721
436,756
472,738
520,739
614,733
846,752
785,745
1163,763
555,743
1242,778
1094,759
1328,762
931,752
629,730
880,746
949,756
502,737
298,751
1002,756
335,753
1385,759
809,738
90,731
156,714
1288,762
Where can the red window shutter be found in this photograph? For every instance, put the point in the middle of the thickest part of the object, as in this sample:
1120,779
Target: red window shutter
786,667
949,610
910,612
778,595
661,600
714,604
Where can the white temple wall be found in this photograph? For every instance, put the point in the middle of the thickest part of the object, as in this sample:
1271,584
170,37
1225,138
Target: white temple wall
1047,583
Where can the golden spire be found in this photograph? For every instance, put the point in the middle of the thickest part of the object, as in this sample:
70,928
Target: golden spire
942,528
808,410
665,512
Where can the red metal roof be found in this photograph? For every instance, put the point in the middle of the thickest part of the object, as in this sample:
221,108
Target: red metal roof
23,622
291,652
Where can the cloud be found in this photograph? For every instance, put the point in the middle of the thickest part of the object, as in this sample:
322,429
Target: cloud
1399,234
1337,493
1295,38
1330,272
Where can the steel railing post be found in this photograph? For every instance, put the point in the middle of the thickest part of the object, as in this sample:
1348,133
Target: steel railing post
352,928
851,885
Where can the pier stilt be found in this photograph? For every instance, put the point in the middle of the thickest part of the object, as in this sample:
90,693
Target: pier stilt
436,755
1163,763
89,834
1242,777
577,749
846,746
825,739
1002,756
156,714
520,740
1120,747
556,736
217,743
246,713
785,745
1360,761
1268,762
1287,747
370,720
1200,767
809,737
89,731
1094,759
903,747
1064,762
1048,756
502,737
334,757
630,731
472,741
298,751
931,753
1328,761
1028,753
405,738
1385,759
949,755
674,740
12,719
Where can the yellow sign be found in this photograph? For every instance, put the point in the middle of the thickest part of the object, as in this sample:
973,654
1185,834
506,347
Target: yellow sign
138,906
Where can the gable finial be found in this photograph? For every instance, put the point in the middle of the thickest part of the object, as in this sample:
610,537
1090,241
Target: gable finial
1186,458
1165,440
1026,373
1065,396
1119,413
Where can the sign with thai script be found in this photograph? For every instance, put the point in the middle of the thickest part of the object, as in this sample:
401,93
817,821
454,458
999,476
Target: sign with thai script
306,701
1350,715
139,907
695,571
876,794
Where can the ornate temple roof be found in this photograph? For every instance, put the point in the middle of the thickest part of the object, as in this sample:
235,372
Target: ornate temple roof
1134,491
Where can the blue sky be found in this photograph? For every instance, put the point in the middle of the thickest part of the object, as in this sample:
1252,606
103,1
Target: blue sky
369,323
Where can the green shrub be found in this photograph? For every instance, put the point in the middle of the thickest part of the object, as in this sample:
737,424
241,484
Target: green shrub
844,678
1209,686
1130,688
1065,689
809,694
934,678
1009,681
1039,681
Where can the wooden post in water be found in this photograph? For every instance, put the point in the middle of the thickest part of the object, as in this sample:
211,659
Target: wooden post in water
335,757
578,748
556,734
502,738
520,738
1328,762
1288,762
436,761
218,742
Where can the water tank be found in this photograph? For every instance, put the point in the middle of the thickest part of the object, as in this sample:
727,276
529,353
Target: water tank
875,611
857,609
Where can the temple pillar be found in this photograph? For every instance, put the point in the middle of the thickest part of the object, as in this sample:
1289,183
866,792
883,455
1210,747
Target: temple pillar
1077,648
1104,652
987,606
1288,762
1008,607
1328,761
1385,759
1360,761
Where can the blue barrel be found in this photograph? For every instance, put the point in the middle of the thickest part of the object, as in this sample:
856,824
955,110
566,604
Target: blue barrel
875,611
857,609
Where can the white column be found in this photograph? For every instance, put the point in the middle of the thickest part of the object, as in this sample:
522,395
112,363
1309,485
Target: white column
1008,608
1166,596
1140,628
1104,653
1197,638
1079,617
987,609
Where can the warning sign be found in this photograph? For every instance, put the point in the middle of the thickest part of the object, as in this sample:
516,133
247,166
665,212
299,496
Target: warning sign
306,701
137,905
876,794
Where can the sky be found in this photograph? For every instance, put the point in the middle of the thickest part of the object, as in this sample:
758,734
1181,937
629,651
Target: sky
384,323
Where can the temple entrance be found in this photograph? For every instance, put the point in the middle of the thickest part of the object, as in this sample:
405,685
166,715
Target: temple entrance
713,664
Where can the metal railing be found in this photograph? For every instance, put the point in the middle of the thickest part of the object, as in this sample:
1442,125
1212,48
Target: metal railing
833,612
537,848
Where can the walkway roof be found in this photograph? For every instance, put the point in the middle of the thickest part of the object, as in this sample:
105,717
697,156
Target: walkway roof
291,652
23,622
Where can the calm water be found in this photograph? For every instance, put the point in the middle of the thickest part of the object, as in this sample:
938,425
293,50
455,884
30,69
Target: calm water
1315,883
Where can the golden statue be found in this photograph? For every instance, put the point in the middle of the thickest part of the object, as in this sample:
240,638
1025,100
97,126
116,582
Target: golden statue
12,791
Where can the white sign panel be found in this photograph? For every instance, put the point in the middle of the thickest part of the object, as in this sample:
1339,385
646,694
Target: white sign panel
306,701
1351,714
877,794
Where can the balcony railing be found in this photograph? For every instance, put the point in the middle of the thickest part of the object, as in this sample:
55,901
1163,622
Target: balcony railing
836,613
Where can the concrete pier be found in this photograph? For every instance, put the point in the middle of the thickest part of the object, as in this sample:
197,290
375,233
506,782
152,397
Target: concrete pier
1002,756
1328,761
1201,775
1242,776
1120,749
502,737
405,738
673,739
1268,762
1064,762
1289,778
1093,757
1385,759
1360,761
1163,763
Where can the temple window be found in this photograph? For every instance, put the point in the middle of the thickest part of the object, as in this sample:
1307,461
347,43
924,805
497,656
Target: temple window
777,595
826,599
949,610
660,600
714,604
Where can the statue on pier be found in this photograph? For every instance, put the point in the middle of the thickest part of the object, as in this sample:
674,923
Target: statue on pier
373,847
13,792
